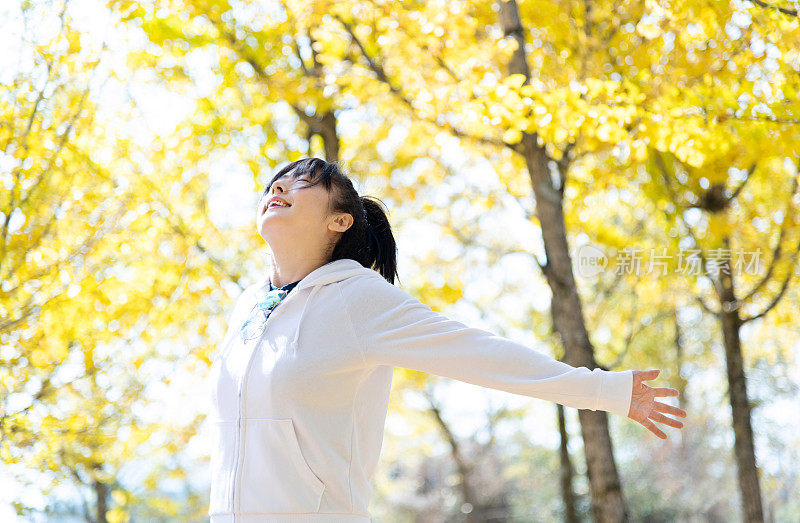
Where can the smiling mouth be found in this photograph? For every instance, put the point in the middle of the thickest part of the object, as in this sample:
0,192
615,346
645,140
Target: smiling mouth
275,206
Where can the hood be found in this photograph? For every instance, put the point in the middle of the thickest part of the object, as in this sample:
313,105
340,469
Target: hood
331,272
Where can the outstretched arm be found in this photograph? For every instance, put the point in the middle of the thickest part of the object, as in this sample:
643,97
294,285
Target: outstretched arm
393,328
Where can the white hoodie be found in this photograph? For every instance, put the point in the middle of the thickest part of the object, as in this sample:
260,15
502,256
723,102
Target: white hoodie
298,414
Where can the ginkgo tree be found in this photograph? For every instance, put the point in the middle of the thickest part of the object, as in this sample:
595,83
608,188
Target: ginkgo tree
259,63
87,319
547,90
721,134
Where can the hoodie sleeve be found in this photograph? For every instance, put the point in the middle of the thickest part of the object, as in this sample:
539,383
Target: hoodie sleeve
394,328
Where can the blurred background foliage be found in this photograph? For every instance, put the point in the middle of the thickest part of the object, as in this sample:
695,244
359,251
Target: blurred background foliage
135,137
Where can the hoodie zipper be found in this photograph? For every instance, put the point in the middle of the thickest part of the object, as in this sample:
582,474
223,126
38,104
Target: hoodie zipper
240,405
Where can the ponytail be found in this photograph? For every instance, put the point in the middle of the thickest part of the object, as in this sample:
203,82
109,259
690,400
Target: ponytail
369,240
381,247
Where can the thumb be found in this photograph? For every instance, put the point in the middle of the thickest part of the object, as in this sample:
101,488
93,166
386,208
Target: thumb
650,374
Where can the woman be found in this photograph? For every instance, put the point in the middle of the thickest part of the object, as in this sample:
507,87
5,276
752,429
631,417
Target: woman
302,378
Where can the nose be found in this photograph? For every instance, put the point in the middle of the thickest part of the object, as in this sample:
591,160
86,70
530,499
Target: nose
278,185
275,187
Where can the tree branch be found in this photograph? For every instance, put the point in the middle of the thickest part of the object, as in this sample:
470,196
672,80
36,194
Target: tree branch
776,251
736,191
381,75
784,10
778,296
789,272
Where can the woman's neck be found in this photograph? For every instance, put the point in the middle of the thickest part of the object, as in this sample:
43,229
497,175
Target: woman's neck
286,271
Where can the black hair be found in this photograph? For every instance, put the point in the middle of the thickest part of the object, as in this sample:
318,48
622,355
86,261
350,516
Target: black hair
369,240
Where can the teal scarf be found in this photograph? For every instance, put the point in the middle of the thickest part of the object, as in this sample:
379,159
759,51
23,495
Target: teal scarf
257,322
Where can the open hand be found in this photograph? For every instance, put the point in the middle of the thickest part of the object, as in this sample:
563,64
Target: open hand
645,409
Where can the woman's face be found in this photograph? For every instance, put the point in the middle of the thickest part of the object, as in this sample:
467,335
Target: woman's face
305,221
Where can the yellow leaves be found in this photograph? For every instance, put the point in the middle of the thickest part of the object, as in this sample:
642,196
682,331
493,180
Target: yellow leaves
118,515
119,496
648,30
529,90
80,278
76,423
514,81
603,132
718,226
512,136
138,361
74,40
560,135
596,110
689,154
39,357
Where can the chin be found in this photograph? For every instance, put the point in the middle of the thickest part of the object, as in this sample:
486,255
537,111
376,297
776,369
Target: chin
268,218
269,227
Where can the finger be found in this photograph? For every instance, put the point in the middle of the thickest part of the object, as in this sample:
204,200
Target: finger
664,391
669,409
652,428
657,416
650,374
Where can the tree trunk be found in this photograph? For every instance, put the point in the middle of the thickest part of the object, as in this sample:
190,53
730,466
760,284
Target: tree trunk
608,503
679,357
744,447
683,401
330,139
485,509
567,494
468,494
101,492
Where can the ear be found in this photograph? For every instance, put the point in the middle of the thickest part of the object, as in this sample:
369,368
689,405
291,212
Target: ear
340,222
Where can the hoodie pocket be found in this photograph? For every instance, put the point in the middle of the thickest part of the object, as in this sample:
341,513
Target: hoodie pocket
275,475
223,444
